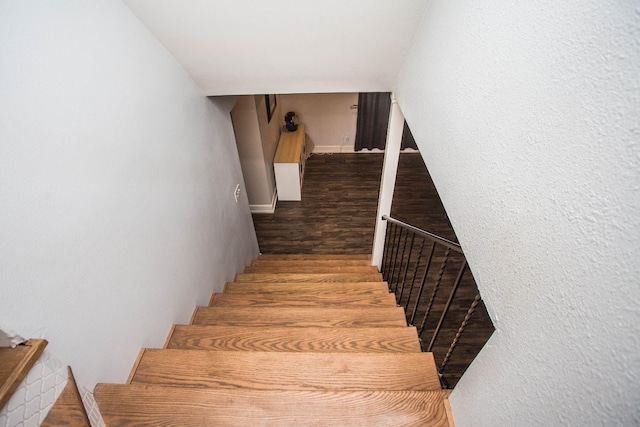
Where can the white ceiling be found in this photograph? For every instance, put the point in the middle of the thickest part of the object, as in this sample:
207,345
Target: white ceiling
257,46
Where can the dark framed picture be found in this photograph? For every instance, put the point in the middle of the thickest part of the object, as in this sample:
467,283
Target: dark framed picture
271,105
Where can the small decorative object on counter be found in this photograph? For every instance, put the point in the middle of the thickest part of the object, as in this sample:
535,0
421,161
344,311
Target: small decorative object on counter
291,121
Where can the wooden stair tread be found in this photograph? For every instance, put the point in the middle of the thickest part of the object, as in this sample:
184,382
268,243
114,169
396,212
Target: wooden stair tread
68,409
317,262
288,371
300,316
337,288
294,340
306,268
313,257
309,277
301,299
325,340
15,364
141,404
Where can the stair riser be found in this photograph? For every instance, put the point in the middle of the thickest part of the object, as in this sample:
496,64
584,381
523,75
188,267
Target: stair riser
327,263
318,300
299,317
309,269
331,288
312,277
313,257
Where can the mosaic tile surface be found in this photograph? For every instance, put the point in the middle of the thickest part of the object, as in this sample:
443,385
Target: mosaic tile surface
95,418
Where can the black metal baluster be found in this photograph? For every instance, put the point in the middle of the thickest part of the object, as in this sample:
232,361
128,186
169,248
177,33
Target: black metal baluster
415,273
396,246
385,252
422,283
461,329
385,275
398,263
395,261
404,249
436,287
406,266
391,230
447,305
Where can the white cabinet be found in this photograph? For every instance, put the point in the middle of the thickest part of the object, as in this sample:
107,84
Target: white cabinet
288,164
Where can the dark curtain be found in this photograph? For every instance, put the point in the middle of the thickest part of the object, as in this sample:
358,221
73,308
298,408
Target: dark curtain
373,119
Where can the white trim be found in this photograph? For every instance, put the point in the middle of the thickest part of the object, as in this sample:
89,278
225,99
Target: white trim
389,172
325,149
266,208
367,151
331,149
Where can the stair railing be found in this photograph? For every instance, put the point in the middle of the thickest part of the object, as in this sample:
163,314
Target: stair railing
408,256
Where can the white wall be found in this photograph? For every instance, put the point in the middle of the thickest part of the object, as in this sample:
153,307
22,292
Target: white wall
329,121
117,213
270,134
528,117
257,140
249,141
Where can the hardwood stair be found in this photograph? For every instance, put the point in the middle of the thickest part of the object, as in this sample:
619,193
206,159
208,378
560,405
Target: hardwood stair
306,288
145,405
303,267
325,262
277,338
310,277
68,410
300,316
287,371
286,344
313,299
312,257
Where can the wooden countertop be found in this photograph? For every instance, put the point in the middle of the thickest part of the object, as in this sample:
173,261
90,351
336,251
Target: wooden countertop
290,146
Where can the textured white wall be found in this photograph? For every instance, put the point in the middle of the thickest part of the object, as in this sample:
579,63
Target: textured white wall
528,116
117,213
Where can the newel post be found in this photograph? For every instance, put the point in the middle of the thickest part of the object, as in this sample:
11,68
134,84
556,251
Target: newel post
388,182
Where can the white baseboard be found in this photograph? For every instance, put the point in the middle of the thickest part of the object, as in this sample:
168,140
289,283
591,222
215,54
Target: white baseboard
325,149
329,149
266,208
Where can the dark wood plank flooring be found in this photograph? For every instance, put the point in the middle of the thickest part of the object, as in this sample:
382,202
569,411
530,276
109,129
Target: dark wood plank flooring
337,212
337,216
416,200
339,204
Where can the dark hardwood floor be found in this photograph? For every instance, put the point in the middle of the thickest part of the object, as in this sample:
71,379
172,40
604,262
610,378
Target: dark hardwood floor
339,203
337,216
416,200
337,212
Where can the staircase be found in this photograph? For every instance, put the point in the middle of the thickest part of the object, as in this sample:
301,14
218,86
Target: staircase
295,340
